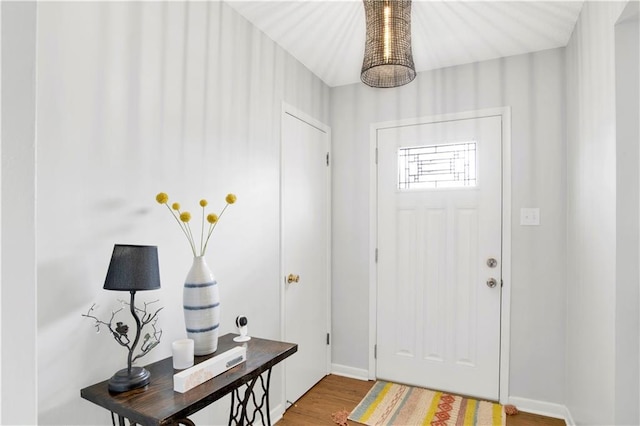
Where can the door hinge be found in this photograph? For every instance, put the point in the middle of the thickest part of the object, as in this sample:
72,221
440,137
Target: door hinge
376,255
328,339
375,351
327,158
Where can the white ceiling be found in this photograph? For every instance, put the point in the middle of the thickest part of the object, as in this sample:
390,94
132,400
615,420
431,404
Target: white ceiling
328,36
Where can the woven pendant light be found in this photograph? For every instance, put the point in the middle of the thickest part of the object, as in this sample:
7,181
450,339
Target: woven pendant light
388,61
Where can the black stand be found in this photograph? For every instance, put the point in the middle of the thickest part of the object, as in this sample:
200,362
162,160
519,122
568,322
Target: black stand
130,377
239,414
126,379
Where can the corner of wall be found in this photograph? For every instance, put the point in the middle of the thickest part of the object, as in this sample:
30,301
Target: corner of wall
19,367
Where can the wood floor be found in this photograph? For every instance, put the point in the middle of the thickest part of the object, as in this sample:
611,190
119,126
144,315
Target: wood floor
336,393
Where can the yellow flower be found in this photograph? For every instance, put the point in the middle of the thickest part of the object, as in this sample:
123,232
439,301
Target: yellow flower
162,198
183,219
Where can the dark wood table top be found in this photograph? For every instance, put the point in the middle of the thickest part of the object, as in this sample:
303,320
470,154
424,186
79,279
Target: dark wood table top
158,404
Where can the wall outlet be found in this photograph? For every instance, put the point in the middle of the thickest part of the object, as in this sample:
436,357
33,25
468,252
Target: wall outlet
530,216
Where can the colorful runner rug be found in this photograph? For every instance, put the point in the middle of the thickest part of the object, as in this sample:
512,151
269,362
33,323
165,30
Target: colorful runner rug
392,404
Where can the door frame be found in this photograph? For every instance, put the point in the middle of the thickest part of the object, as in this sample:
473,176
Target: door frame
288,109
505,302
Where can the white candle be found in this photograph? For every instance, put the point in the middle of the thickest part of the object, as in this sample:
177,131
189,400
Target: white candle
182,353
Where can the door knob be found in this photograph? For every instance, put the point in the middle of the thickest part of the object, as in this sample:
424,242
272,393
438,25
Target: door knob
293,278
492,282
491,262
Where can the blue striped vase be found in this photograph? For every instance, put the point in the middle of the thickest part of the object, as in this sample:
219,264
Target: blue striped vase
201,302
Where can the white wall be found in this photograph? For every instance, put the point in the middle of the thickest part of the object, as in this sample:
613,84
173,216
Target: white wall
133,99
0,214
591,216
137,98
18,244
627,76
533,86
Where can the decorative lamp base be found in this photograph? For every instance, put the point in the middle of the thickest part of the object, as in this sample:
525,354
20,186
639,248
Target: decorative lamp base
123,381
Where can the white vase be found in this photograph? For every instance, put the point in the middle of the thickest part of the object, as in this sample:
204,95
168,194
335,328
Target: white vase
201,303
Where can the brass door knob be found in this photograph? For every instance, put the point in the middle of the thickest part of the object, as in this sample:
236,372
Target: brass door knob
293,278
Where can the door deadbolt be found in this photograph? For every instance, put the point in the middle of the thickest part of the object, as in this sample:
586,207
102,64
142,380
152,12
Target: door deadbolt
492,282
492,263
293,278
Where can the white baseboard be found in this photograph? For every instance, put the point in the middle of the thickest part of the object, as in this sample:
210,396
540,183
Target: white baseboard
568,419
351,372
276,413
542,408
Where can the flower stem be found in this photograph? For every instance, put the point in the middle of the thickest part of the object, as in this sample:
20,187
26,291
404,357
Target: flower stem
212,227
202,234
183,228
193,246
207,240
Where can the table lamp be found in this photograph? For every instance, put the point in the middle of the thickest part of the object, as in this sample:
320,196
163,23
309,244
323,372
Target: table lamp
132,268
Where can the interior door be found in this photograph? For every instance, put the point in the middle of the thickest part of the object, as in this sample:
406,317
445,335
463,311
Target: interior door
305,251
439,263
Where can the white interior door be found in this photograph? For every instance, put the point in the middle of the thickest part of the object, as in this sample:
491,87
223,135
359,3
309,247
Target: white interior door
439,224
305,251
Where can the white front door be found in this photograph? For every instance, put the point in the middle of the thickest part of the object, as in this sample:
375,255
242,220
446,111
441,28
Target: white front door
439,259
305,250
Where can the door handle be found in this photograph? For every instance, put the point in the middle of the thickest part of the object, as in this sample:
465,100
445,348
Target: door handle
293,278
492,282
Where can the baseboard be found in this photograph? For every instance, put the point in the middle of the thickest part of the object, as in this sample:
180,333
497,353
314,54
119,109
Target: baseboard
276,413
351,372
568,418
542,408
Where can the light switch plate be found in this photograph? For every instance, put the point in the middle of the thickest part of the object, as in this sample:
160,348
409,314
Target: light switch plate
530,216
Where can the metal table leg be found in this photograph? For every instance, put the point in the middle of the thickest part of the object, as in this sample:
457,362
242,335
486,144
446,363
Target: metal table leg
238,414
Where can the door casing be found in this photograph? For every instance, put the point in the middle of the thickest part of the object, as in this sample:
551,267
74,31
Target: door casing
505,113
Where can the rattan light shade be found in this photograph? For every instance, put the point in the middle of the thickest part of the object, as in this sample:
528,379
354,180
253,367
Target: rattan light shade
388,61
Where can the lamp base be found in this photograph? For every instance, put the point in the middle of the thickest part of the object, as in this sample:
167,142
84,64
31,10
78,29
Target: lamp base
123,381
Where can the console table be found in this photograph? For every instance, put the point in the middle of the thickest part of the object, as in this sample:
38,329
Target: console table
158,404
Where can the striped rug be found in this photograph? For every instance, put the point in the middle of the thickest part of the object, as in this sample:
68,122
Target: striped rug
392,404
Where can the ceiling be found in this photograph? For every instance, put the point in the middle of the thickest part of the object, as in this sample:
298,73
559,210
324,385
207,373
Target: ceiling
328,36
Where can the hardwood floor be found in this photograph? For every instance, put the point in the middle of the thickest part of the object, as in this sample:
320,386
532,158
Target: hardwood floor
336,393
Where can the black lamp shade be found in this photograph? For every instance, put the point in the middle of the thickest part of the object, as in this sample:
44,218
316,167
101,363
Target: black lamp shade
133,268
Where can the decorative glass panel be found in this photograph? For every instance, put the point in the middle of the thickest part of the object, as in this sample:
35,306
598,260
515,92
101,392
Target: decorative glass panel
437,166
